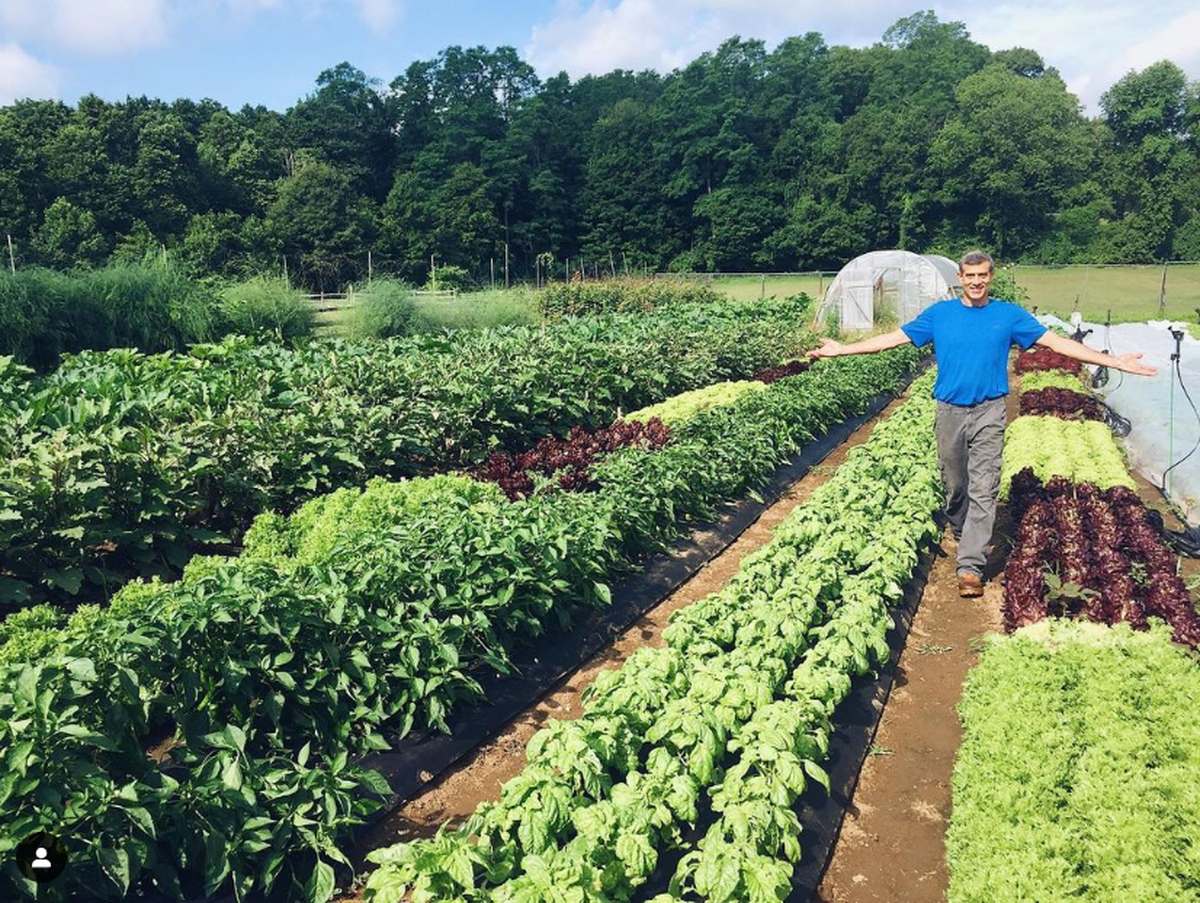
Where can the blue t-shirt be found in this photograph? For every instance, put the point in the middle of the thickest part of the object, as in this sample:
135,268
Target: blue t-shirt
971,346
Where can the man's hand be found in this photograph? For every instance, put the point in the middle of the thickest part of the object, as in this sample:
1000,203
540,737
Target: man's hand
1131,363
827,348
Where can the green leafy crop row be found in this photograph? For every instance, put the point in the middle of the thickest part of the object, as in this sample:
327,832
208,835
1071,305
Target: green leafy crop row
735,707
687,404
1052,379
252,680
1081,451
1077,777
562,299
122,464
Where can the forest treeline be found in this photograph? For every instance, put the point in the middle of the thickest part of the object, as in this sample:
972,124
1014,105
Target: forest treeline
744,160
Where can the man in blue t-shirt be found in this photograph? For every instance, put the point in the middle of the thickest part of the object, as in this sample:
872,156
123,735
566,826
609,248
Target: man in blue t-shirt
971,337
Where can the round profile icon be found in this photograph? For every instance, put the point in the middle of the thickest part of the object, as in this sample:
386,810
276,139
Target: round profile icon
41,857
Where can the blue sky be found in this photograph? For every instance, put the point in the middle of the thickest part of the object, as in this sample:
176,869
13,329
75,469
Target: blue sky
270,51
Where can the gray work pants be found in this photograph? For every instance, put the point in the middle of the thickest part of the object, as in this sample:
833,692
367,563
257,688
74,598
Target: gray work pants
970,440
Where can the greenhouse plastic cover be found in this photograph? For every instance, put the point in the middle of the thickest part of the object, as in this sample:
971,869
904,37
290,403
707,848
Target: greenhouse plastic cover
897,284
1146,402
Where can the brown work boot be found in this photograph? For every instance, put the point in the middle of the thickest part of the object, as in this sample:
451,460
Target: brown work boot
970,585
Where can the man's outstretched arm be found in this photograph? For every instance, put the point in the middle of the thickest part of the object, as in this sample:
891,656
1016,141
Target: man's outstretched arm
1130,363
830,348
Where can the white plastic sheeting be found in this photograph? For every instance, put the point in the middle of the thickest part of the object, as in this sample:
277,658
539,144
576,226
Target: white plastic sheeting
1146,403
897,284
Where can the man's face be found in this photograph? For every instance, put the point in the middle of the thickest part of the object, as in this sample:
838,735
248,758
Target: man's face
976,278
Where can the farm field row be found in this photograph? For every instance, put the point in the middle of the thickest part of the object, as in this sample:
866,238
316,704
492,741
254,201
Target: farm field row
258,678
725,725
121,464
1077,773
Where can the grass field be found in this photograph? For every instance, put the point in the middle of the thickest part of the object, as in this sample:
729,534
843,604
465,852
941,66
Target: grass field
1130,292
748,288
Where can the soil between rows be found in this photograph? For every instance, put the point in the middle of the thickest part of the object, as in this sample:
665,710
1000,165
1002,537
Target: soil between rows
477,778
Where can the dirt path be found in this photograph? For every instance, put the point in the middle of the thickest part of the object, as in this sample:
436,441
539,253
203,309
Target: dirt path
479,776
891,846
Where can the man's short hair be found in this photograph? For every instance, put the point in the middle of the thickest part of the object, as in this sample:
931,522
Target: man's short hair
974,258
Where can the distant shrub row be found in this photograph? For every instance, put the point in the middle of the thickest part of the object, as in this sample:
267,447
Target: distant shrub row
620,296
155,307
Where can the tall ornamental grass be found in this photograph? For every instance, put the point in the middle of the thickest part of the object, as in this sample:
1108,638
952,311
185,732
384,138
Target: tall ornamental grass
152,307
267,307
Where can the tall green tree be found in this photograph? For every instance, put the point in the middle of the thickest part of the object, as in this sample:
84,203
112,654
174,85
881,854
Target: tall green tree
346,124
1151,170
1008,157
321,225
68,237
622,197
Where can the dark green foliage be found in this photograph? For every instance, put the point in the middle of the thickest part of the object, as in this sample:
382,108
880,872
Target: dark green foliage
121,463
574,299
743,159
362,616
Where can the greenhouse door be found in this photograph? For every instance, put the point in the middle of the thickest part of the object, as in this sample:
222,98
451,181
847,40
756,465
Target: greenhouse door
858,305
891,285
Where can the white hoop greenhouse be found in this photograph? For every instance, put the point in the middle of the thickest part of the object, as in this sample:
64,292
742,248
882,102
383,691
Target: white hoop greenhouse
888,286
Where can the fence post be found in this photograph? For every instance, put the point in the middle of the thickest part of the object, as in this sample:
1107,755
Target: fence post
1162,291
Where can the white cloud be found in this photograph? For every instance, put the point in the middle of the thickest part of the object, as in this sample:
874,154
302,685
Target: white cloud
99,27
22,76
1091,43
1091,46
1178,41
601,35
380,15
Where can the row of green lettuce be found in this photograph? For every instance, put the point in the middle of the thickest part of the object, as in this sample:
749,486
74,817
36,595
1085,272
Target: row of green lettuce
1079,773
123,464
255,682
722,728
